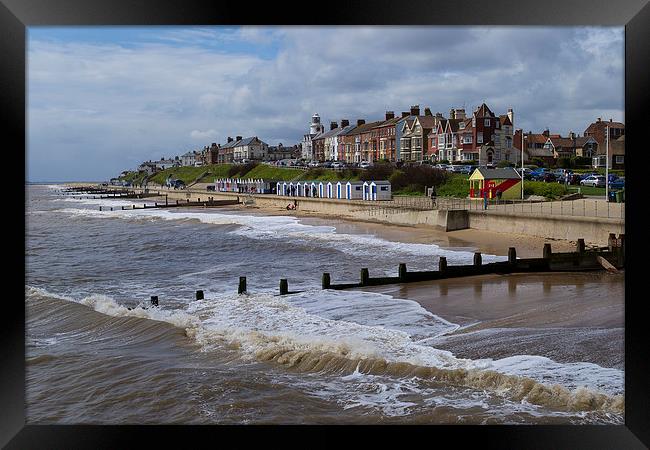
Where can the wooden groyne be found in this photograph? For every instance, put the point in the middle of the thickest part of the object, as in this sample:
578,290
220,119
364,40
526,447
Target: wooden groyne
210,203
609,258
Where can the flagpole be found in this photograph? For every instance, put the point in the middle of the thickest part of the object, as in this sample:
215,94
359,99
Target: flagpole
607,167
522,163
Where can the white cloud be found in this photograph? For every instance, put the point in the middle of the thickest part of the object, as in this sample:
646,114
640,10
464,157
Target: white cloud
92,107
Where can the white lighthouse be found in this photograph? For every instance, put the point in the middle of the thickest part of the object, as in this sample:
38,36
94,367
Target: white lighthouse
316,126
314,130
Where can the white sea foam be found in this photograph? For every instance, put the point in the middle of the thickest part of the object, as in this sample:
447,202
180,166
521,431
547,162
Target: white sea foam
286,227
265,324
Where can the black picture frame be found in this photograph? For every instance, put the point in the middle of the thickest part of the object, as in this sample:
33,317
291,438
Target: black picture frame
16,15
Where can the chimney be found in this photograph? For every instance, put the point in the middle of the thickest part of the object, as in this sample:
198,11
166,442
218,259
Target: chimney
610,120
229,139
511,116
572,135
546,132
439,115
460,113
452,113
344,123
405,113
360,122
427,112
390,115
333,125
239,138
415,110
598,120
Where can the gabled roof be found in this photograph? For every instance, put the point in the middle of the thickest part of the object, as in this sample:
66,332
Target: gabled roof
483,111
507,173
363,128
505,120
426,122
245,141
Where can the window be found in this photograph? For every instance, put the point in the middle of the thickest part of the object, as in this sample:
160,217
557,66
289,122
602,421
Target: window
479,137
620,159
358,188
486,122
461,125
384,188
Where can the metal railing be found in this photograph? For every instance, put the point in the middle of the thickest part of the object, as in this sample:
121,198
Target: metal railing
578,207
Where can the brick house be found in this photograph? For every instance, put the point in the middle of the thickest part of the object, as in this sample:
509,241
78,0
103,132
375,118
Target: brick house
383,138
249,148
226,152
598,130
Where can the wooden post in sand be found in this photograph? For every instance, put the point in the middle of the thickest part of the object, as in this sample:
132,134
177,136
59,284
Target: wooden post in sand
284,286
547,251
611,242
580,246
401,272
242,285
442,264
364,276
154,300
326,280
477,259
199,295
512,255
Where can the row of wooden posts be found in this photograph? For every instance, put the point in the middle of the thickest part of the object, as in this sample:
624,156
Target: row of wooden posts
610,258
178,203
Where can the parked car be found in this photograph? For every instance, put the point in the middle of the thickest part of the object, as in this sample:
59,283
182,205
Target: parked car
337,165
618,183
457,168
364,165
314,164
593,180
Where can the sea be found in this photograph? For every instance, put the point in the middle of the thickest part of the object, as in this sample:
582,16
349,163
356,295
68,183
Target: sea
98,352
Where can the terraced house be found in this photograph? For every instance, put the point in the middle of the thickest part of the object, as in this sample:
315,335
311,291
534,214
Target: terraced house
249,148
484,137
383,138
414,140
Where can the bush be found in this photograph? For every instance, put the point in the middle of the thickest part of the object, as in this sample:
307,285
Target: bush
565,163
505,164
416,178
241,169
539,162
548,190
443,161
379,171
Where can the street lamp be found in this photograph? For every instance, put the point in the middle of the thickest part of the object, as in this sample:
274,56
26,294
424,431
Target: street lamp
522,163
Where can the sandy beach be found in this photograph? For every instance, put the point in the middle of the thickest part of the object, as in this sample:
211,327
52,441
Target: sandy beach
476,240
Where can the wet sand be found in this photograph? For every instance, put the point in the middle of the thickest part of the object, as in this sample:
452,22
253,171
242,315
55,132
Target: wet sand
567,317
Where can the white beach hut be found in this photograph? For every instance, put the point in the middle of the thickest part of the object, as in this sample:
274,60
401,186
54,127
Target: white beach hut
321,189
340,189
366,190
313,189
354,190
329,189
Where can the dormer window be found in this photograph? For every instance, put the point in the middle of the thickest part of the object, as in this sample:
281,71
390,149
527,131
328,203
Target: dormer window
461,125
487,122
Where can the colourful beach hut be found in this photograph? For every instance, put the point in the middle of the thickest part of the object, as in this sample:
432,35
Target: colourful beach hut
488,182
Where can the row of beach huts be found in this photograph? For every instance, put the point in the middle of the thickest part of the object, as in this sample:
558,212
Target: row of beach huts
344,190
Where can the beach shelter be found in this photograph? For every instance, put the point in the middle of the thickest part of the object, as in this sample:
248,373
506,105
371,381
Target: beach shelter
330,189
340,189
484,181
354,190
380,190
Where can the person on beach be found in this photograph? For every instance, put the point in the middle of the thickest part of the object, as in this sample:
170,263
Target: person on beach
485,202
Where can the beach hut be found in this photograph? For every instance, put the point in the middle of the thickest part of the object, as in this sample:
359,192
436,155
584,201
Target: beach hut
354,190
488,182
365,189
313,188
340,189
329,189
380,190
321,189
291,189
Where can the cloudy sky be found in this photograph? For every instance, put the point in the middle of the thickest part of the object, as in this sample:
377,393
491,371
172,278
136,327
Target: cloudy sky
104,99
